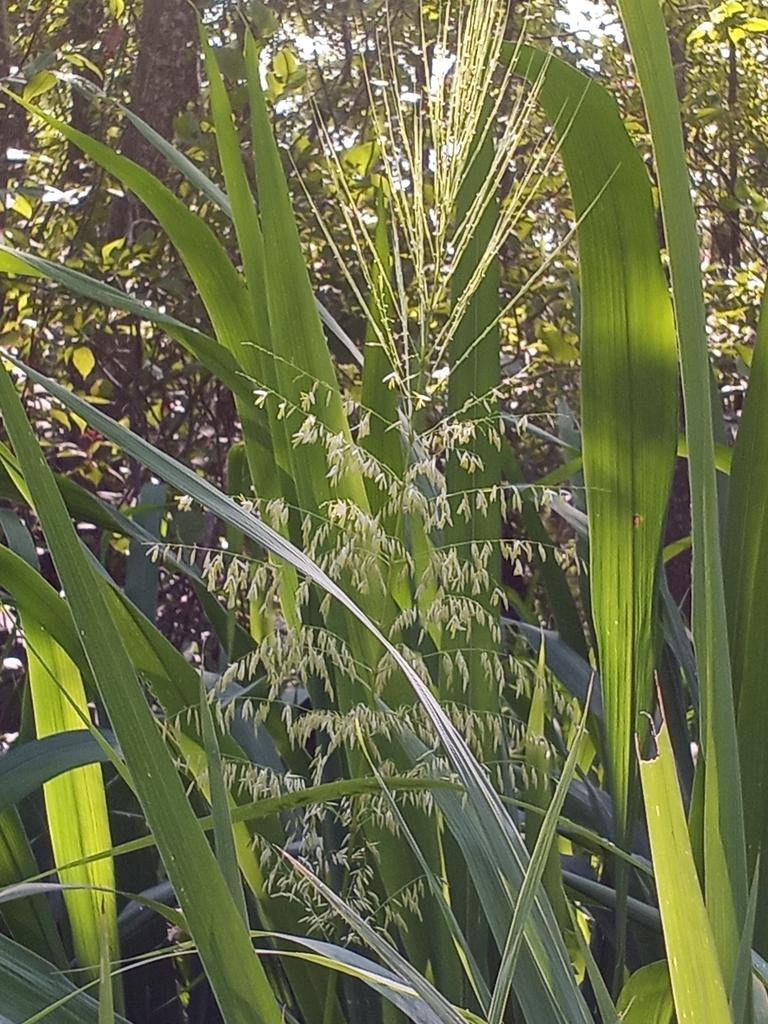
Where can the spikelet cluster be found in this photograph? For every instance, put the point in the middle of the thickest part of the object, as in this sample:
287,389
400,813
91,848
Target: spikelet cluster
382,532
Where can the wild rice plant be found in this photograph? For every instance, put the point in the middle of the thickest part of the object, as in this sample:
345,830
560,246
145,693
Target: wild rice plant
403,834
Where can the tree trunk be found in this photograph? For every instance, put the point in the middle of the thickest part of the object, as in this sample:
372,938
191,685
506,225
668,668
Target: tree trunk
165,79
84,20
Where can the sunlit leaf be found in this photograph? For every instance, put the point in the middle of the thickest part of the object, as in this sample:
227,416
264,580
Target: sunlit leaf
83,360
43,82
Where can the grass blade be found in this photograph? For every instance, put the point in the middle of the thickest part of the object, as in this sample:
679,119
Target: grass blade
76,804
561,601
473,355
31,921
697,981
379,401
236,976
224,840
629,409
20,540
464,952
381,980
647,996
444,1011
195,176
30,991
106,995
745,564
217,359
533,878
142,575
302,357
220,286
629,393
725,880
741,987
242,205
25,768
251,244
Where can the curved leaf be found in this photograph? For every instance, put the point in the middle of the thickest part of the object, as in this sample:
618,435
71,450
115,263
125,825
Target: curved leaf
28,987
25,768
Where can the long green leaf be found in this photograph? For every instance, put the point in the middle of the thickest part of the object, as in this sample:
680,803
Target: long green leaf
469,963
473,356
174,681
629,393
217,359
251,243
236,977
725,870
204,348
533,879
380,401
301,361
745,563
175,686
303,365
498,861
647,996
221,288
742,1003
106,993
142,574
31,921
629,407
444,1011
381,980
301,358
697,980
294,800
195,176
561,601
383,440
76,804
224,839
